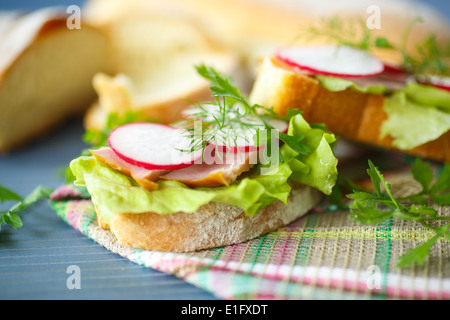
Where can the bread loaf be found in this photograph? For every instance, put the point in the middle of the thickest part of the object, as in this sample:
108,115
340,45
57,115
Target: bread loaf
250,29
45,73
213,225
350,114
255,28
153,68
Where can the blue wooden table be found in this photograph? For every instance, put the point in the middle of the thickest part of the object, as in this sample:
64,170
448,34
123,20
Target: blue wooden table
34,260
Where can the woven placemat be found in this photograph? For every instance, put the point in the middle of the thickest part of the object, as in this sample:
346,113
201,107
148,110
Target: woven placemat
323,255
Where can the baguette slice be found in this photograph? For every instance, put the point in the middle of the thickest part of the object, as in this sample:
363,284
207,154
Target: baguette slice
213,225
350,114
45,73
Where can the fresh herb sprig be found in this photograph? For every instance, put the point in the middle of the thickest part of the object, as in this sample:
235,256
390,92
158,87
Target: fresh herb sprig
371,208
346,32
11,216
430,57
232,114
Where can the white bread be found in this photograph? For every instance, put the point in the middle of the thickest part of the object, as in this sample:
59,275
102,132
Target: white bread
45,73
213,225
250,29
153,59
255,28
350,114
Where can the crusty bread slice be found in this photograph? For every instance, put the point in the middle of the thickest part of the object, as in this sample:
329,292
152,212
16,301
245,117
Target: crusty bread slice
153,59
148,33
213,225
45,73
350,114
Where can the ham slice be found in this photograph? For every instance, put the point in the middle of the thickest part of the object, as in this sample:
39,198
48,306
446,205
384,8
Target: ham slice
392,79
223,172
145,178
219,171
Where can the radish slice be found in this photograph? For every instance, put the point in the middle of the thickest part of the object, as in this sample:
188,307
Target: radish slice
339,61
240,141
438,82
153,146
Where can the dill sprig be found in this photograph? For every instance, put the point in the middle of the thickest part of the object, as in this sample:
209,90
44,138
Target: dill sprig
347,32
220,123
231,115
429,57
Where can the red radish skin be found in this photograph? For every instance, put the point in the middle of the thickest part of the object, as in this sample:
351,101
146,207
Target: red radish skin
332,61
442,83
447,88
395,72
391,68
152,146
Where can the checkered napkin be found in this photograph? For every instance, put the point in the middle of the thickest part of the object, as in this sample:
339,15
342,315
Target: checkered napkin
323,255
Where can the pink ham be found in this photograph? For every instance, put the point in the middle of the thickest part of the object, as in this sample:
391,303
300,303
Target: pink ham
145,178
223,172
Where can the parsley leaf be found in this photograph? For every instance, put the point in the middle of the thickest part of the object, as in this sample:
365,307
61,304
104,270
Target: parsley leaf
443,182
11,216
374,207
422,173
8,195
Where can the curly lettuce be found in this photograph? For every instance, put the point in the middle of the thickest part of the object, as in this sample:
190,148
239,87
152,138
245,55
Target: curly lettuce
335,84
113,192
416,115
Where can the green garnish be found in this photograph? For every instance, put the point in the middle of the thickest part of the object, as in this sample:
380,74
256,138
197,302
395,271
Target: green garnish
346,32
371,208
232,114
11,216
429,57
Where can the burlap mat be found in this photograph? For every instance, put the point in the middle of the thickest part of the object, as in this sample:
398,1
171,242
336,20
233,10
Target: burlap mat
323,255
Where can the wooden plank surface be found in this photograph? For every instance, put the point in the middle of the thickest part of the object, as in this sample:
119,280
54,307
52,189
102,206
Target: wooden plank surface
34,259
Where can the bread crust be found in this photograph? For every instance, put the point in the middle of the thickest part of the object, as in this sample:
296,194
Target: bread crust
213,225
354,115
24,37
170,111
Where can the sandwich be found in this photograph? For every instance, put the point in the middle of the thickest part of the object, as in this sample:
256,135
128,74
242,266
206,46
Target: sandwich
360,92
233,169
227,172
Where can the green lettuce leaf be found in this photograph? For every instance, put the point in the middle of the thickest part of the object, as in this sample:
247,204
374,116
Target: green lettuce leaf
319,168
335,84
428,96
412,124
114,192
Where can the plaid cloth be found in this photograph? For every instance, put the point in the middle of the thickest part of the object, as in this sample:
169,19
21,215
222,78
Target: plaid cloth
323,255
